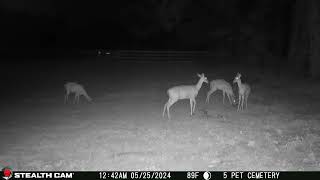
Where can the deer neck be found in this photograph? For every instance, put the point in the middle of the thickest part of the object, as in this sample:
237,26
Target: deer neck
199,84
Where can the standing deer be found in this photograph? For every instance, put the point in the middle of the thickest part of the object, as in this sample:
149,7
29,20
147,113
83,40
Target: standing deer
244,91
224,86
72,87
184,92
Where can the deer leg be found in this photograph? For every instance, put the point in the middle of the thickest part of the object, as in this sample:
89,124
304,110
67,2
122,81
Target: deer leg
242,103
76,99
223,95
240,109
239,102
194,105
229,97
169,104
191,104
209,94
246,102
164,108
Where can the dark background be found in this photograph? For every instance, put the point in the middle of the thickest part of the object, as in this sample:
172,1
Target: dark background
152,24
187,24
268,30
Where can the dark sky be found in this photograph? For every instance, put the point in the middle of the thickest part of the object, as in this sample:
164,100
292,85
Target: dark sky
132,24
35,7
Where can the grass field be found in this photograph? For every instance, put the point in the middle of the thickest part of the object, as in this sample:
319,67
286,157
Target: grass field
123,128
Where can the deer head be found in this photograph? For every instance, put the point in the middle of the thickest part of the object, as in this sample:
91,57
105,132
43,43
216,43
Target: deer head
203,78
237,78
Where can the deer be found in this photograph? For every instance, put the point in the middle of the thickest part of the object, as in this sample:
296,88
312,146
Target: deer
184,92
78,89
244,92
225,87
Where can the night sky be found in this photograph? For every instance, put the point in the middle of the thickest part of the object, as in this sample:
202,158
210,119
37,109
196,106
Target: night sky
127,24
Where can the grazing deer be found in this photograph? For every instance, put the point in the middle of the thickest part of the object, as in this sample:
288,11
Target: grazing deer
72,87
224,86
184,92
244,92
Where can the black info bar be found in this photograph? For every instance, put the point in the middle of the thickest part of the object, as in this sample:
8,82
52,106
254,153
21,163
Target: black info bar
165,175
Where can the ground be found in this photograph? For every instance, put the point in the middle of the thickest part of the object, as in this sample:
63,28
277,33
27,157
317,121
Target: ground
123,128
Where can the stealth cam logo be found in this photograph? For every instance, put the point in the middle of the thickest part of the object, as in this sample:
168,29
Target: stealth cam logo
6,173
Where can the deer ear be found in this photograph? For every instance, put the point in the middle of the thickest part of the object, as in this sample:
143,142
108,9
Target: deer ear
198,75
